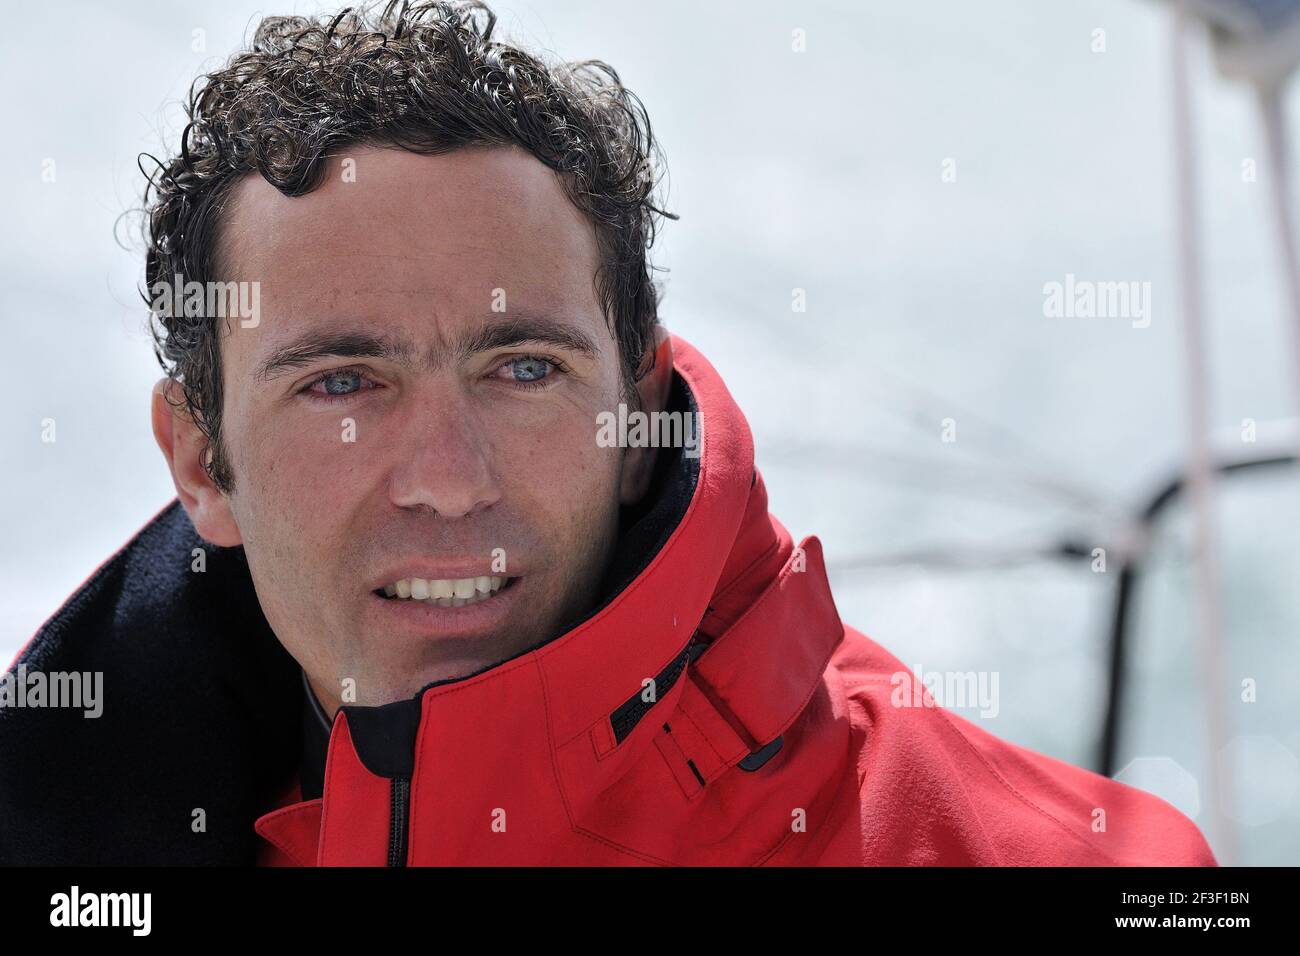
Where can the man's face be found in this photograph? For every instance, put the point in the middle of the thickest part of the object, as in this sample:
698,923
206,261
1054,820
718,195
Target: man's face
415,402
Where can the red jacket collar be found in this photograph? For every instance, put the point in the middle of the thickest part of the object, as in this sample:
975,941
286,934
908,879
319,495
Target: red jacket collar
557,725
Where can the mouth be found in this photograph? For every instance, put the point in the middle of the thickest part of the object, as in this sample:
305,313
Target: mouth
445,592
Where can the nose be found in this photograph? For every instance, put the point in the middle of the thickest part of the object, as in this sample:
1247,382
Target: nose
443,458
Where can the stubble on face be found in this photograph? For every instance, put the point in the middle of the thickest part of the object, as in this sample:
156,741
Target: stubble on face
427,450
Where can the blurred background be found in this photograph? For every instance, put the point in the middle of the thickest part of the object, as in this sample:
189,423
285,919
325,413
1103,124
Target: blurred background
913,176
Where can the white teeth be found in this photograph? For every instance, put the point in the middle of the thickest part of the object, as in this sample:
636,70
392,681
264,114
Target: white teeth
444,592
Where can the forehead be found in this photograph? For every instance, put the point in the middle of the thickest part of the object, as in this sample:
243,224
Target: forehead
394,235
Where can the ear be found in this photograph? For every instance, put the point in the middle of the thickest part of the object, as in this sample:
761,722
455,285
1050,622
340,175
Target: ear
639,462
184,445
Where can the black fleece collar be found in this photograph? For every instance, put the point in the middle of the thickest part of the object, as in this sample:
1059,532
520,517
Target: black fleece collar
200,726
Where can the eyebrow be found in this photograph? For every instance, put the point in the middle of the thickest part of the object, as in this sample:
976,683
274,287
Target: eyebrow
516,330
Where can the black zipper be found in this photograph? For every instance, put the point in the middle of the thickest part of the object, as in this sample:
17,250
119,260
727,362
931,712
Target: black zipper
397,827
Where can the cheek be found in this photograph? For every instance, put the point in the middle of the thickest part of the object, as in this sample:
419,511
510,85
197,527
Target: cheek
305,466
562,473
295,490
294,486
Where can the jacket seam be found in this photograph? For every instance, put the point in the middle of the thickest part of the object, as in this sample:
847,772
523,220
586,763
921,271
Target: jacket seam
874,679
723,594
324,804
287,852
781,575
621,848
722,761
550,744
283,847
789,721
1002,780
574,826
830,816
850,759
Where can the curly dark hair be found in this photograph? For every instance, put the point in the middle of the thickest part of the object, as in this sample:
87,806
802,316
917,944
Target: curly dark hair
428,78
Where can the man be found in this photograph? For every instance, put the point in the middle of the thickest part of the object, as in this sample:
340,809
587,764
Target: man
432,590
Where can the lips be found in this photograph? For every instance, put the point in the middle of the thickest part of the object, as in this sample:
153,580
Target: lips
445,592
481,616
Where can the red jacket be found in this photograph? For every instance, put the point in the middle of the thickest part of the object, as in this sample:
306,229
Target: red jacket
770,738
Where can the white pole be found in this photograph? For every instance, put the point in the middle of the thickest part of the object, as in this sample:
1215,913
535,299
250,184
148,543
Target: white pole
1208,622
1270,106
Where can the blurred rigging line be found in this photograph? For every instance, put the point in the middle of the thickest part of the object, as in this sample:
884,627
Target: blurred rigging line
929,408
1275,135
962,478
925,409
965,558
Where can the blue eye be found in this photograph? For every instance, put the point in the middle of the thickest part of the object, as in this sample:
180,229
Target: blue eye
532,372
351,383
534,368
340,385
